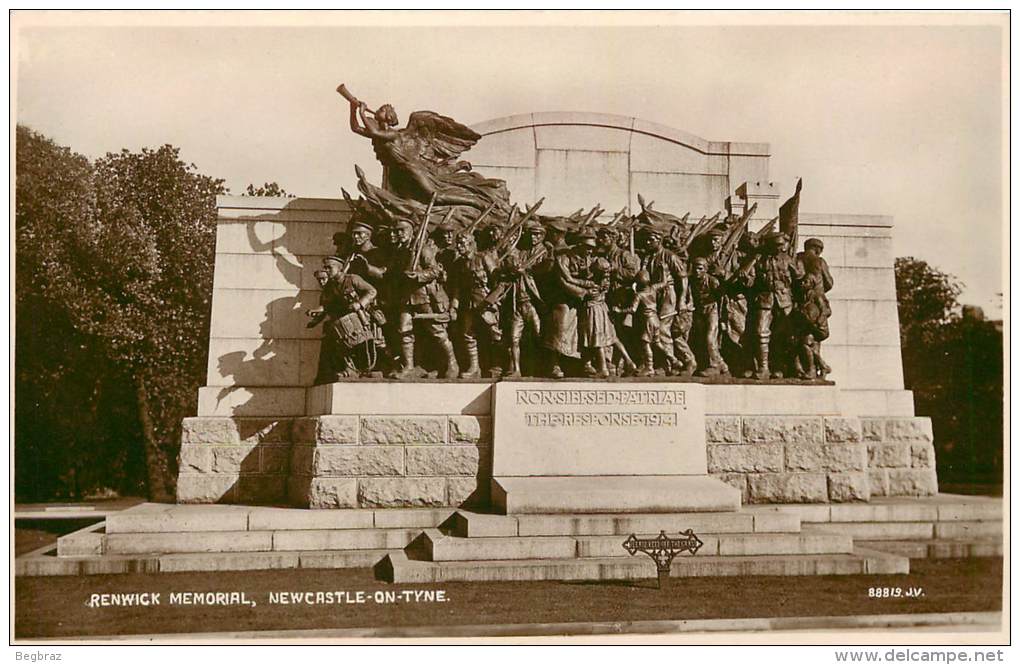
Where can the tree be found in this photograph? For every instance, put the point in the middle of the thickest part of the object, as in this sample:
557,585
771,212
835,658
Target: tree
117,258
927,299
953,362
267,189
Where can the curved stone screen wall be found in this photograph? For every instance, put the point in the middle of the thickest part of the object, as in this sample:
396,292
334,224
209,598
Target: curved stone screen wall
577,159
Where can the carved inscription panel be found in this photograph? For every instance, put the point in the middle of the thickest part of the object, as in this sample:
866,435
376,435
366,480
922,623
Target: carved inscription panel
598,429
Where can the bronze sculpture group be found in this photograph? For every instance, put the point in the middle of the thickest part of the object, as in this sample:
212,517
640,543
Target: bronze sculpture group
439,275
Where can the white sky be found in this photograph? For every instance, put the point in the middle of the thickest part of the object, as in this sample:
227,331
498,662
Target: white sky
904,121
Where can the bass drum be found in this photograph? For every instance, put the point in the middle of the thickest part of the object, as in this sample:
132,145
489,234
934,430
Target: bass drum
352,331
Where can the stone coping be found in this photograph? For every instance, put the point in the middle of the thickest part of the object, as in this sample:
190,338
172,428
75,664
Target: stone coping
622,123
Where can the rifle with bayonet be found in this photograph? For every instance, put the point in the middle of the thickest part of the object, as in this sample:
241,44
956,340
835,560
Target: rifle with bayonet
513,234
496,295
592,214
618,216
475,224
704,223
767,229
729,247
419,243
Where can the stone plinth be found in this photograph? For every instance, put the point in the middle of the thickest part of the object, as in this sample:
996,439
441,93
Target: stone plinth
430,444
380,397
598,429
588,447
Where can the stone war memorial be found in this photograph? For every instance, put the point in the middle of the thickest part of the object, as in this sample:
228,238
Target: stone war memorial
535,337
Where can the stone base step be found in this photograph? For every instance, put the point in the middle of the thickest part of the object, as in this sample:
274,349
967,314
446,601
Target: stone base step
397,567
939,508
513,495
937,549
172,518
435,546
626,524
238,541
47,565
909,530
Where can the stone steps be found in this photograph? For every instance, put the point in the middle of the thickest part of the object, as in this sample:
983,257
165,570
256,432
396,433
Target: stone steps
940,508
47,565
436,546
163,538
172,518
398,567
626,524
909,530
937,548
235,541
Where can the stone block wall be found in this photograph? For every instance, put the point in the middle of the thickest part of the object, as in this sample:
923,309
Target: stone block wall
817,459
234,460
390,461
380,461
901,456
261,354
337,461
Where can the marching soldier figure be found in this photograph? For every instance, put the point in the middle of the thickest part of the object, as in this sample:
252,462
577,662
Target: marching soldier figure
444,237
707,293
531,257
770,277
676,308
470,284
369,261
813,310
416,294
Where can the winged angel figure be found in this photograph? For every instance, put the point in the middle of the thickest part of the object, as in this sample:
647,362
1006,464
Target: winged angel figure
420,161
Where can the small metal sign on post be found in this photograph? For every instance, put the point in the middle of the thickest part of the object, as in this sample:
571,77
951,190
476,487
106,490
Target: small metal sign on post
663,549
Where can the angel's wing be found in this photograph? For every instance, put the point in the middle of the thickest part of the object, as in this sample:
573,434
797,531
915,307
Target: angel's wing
440,139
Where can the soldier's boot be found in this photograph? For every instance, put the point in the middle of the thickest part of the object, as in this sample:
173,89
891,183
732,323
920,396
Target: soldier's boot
805,362
647,368
405,369
472,371
452,369
761,358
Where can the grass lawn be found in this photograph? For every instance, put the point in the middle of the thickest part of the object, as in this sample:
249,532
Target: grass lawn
56,606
